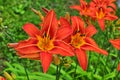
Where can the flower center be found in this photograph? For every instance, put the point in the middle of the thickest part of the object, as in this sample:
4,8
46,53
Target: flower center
45,43
100,14
77,40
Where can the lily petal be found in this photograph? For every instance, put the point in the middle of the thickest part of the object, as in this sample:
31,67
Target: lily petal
77,24
89,46
82,58
115,43
65,30
31,56
50,24
26,46
62,48
12,45
31,29
90,31
111,17
46,59
101,24
112,5
90,41
24,43
29,49
77,7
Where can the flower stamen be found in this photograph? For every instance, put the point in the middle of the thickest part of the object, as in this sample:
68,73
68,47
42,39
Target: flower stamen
45,43
100,14
77,40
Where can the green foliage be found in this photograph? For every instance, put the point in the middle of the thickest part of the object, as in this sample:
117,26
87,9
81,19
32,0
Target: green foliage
15,13
20,74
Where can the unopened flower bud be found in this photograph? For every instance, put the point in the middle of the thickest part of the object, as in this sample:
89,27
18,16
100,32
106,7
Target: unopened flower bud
67,16
38,13
56,59
8,76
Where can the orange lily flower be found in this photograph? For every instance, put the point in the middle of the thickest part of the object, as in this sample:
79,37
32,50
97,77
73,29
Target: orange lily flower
101,10
102,14
107,3
42,44
81,41
83,8
115,43
97,9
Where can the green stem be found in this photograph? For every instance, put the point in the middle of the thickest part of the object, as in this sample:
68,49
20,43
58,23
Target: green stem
76,67
60,69
97,64
76,63
117,60
117,75
57,72
26,72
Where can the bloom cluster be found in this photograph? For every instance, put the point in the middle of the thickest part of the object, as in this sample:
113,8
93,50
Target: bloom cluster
99,10
68,36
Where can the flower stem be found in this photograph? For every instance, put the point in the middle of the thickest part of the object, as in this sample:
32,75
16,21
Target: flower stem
26,72
76,67
60,69
97,64
76,63
117,75
57,72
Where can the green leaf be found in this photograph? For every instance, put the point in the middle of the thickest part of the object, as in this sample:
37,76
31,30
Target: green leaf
97,77
110,75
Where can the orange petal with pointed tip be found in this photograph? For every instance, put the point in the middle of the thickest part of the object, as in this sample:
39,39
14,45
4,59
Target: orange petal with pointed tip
28,49
64,22
93,47
62,48
31,29
77,24
77,7
65,30
23,43
50,24
26,42
46,59
111,17
12,45
34,55
90,41
101,24
113,6
82,58
115,43
30,56
90,31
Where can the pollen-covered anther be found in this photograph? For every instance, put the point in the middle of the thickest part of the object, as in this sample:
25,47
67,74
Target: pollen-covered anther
77,40
45,43
100,14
